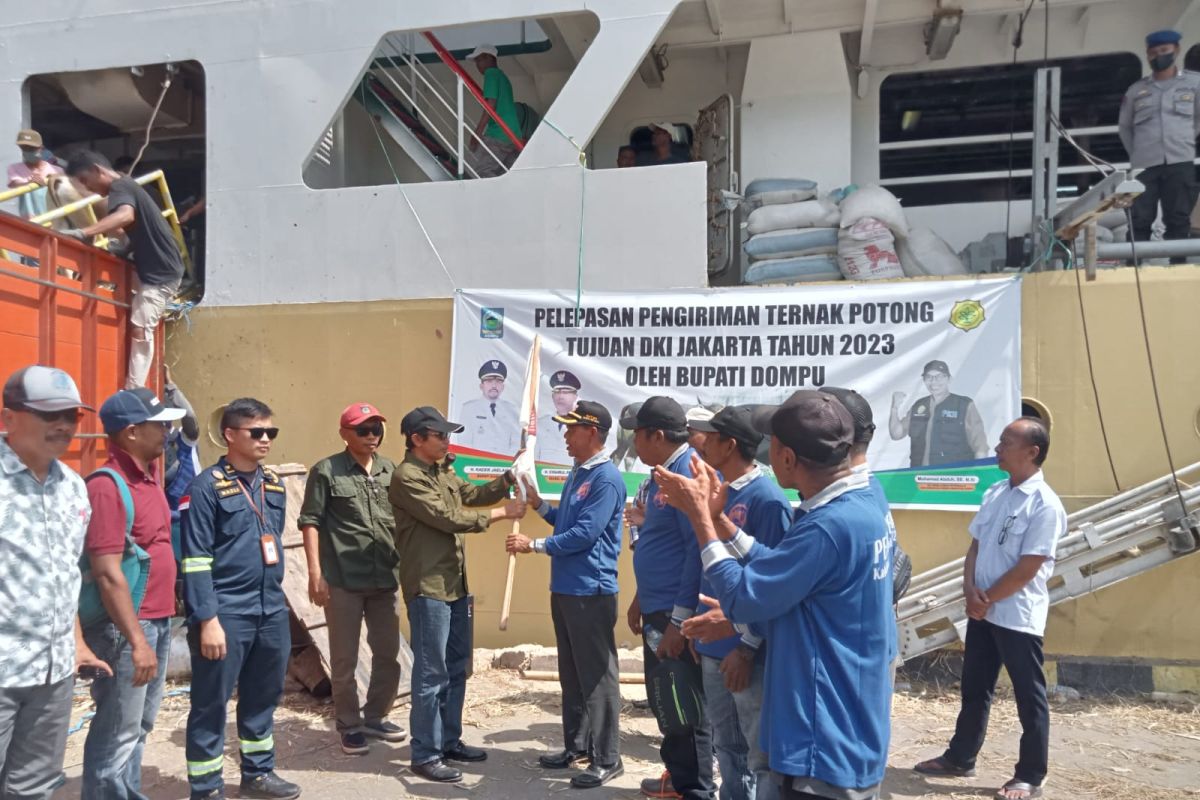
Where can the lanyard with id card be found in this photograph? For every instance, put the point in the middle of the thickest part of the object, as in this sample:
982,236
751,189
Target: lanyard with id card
270,550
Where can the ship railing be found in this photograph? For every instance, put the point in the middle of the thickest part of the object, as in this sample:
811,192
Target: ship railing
446,118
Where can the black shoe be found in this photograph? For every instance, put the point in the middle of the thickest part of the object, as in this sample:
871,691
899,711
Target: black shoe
354,744
269,787
438,771
562,759
464,752
596,775
387,731
211,794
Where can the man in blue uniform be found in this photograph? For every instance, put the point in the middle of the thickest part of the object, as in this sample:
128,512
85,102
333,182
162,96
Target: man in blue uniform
825,594
1158,123
666,564
732,661
236,614
583,602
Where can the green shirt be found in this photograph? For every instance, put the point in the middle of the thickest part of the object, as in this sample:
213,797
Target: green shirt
428,501
354,522
497,87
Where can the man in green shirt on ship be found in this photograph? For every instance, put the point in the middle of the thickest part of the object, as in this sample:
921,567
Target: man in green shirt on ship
498,94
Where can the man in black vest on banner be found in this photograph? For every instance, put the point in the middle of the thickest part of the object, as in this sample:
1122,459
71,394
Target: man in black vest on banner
943,428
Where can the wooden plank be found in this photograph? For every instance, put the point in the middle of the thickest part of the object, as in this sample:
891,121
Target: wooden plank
311,616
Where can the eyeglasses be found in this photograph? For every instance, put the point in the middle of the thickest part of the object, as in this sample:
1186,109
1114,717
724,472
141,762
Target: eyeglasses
1008,523
258,433
436,434
71,415
368,430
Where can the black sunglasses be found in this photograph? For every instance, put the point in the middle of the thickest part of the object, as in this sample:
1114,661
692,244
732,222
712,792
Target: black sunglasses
72,415
436,434
258,433
368,430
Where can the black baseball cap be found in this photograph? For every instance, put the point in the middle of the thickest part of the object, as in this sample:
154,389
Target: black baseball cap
427,418
814,425
660,413
735,422
587,413
133,407
936,366
860,411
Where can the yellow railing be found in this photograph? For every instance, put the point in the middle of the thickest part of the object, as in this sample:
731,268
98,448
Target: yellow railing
156,177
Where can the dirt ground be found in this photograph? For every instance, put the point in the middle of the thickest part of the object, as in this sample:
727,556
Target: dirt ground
1100,748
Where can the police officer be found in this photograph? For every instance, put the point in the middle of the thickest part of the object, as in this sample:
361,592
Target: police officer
490,423
564,392
1159,122
237,619
943,428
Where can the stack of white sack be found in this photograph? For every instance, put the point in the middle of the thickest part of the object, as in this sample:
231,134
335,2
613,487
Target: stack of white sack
793,233
1111,226
872,221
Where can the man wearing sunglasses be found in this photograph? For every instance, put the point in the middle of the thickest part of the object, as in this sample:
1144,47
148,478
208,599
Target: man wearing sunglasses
1011,557
352,573
134,639
237,618
46,514
430,503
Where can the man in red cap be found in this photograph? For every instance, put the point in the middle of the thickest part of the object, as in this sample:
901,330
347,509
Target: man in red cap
352,573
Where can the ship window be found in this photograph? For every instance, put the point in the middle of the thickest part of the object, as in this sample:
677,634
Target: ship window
945,134
400,122
641,139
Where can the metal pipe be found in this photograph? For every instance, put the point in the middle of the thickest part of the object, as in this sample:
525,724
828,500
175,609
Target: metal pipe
459,124
1154,249
62,288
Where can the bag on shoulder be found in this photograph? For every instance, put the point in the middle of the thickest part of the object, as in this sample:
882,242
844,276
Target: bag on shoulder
675,697
135,563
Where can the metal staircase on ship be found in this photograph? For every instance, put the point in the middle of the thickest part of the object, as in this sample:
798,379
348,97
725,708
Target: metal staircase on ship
1127,534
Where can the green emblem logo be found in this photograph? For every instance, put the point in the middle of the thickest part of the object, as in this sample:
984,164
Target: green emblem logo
967,315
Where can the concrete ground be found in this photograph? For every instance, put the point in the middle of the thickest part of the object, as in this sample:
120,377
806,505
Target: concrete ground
1107,748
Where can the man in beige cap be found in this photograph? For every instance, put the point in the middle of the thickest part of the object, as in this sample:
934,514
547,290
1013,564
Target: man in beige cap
498,94
46,516
32,168
662,136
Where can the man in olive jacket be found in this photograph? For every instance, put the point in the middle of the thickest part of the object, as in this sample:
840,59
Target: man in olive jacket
428,501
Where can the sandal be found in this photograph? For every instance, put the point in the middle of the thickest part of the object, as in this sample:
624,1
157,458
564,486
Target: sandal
1027,791
941,767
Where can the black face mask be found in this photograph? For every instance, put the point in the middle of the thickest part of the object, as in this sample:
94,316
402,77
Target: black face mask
1163,62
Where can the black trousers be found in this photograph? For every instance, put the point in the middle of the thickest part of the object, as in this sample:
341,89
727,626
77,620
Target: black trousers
988,647
1174,186
688,756
587,673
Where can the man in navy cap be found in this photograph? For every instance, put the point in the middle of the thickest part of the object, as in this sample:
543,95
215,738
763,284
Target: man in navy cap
134,635
564,392
1159,122
943,428
489,423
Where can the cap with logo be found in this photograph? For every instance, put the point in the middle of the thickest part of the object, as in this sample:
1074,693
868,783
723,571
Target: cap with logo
860,411
493,369
1163,37
29,138
734,422
133,407
483,50
936,366
565,381
40,388
427,418
814,425
587,413
661,413
358,413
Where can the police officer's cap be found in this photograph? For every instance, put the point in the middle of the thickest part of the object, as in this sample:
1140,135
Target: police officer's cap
493,369
587,413
1163,37
564,380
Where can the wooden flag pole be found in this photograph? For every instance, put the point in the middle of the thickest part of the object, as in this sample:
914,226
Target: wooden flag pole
528,440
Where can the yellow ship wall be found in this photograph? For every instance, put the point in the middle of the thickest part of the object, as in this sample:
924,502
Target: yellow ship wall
310,361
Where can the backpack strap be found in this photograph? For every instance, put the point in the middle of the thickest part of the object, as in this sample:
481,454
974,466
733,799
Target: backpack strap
126,497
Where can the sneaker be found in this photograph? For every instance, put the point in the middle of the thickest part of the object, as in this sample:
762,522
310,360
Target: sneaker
354,743
269,787
387,731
